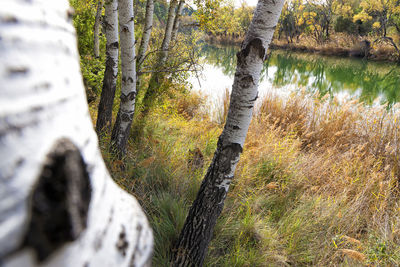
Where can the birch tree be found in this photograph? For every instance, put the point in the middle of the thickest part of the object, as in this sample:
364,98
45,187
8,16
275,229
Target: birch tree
144,43
197,230
156,77
104,114
96,30
148,26
177,19
120,133
59,206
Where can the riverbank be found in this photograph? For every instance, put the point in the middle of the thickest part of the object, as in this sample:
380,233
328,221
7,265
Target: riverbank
340,45
343,45
317,184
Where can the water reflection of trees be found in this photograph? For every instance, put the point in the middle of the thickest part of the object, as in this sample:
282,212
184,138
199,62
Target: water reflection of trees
223,57
327,75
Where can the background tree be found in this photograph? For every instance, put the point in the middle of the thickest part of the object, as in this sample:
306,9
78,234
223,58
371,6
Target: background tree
104,114
96,30
147,28
197,230
122,126
156,77
59,205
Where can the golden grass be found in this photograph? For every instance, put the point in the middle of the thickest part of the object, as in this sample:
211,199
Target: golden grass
341,44
317,183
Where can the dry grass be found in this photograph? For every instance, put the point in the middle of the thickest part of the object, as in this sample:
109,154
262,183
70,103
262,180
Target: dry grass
317,184
340,44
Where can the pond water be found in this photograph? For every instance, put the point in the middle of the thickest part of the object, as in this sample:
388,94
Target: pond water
285,72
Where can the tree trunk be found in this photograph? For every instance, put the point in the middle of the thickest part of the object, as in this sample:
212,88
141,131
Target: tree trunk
148,26
104,114
157,77
59,206
197,230
126,110
168,31
97,29
175,28
144,43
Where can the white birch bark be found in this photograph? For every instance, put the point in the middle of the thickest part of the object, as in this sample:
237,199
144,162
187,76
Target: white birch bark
198,228
148,26
162,56
96,30
42,104
168,31
175,28
126,110
104,114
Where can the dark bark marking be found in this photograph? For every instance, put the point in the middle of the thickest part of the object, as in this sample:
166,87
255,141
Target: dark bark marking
129,97
139,229
255,97
17,70
235,127
125,29
122,244
114,45
9,19
125,117
44,85
59,202
255,43
70,13
98,242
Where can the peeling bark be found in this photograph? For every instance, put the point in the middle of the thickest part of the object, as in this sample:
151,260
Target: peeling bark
97,29
120,133
104,114
59,206
197,231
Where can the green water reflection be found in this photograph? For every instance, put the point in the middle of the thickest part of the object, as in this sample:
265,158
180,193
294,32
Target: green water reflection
359,78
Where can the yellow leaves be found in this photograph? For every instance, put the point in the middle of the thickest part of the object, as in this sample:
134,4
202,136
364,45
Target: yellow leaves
376,25
342,9
362,16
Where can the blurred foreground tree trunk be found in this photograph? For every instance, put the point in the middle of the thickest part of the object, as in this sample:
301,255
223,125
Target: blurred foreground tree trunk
120,133
104,114
198,228
96,31
59,206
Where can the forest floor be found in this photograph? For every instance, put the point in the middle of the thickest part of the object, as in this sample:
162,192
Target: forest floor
317,183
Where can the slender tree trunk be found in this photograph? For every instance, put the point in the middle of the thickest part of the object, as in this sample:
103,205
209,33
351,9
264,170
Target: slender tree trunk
156,77
197,230
97,29
175,28
144,43
168,31
59,206
148,26
104,115
126,110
